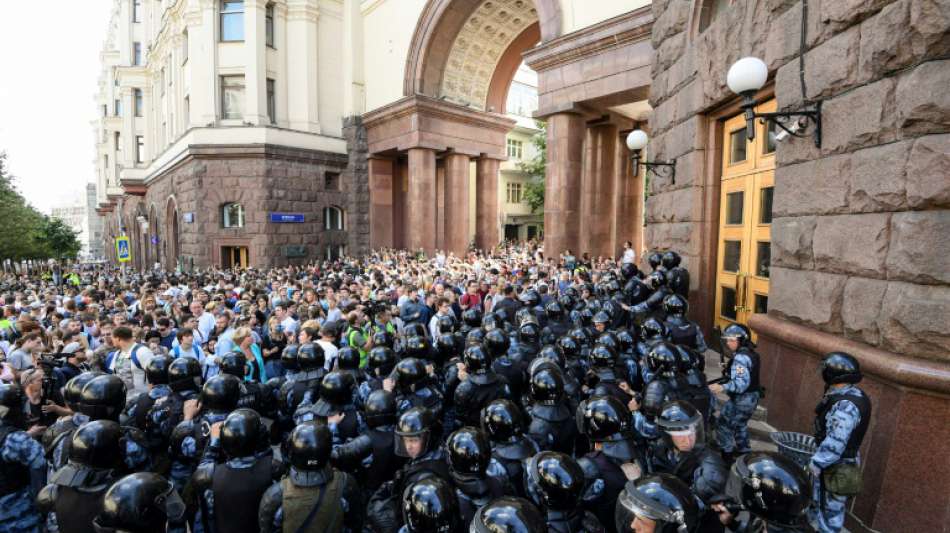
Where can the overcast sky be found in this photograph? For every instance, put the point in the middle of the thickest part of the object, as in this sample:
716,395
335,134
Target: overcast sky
49,65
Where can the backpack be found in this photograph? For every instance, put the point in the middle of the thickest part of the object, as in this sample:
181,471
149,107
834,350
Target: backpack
110,359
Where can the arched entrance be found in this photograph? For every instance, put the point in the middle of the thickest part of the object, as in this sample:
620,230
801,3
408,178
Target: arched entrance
172,249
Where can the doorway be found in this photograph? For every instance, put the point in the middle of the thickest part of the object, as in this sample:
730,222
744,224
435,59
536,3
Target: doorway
234,256
745,220
511,232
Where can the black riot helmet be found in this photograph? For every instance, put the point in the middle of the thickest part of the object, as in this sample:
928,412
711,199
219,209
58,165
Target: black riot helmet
379,409
468,451
547,386
552,353
310,446
417,346
664,358
445,346
221,394
654,397
73,390
610,340
477,359
409,372
475,336
233,364
740,332
414,330
502,421
606,420
772,487
348,358
554,310
384,338
445,323
629,270
430,506
602,356
472,317
581,336
508,515
530,298
382,359
671,260
496,343
415,422
840,367
681,424
655,259
569,346
288,357
184,373
97,444
242,433
586,315
143,502
626,342
336,393
652,329
554,480
491,321
567,302
11,405
103,398
675,305
656,279
661,498
601,318
310,356
156,371
529,333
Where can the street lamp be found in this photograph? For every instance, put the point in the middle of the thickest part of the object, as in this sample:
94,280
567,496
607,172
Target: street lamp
636,141
745,77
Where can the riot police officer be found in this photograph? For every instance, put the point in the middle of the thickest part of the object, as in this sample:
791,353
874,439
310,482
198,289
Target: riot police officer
308,359
678,277
469,455
313,496
512,515
254,395
371,457
555,483
773,489
56,435
139,503
659,503
336,406
22,466
682,331
103,398
557,326
602,379
504,424
743,390
414,387
380,362
841,421
430,505
479,383
552,423
75,491
184,380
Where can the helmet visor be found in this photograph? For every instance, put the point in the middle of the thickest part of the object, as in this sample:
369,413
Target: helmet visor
412,446
631,504
171,504
684,436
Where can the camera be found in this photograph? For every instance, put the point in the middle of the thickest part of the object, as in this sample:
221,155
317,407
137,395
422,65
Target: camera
48,362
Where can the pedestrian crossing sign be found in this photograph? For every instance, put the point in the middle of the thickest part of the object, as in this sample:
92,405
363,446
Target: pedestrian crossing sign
122,250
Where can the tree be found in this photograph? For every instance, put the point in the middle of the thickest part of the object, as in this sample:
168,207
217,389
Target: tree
59,240
536,168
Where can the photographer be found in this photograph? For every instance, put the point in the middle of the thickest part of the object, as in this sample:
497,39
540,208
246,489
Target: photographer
75,356
43,403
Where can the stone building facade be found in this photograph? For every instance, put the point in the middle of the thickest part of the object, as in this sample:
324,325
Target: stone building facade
860,232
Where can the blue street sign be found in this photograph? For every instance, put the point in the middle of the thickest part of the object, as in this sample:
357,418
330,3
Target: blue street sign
123,251
286,218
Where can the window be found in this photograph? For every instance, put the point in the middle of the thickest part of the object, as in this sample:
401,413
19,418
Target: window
137,54
335,252
232,215
710,10
515,149
232,97
117,107
332,218
734,207
232,21
162,84
136,10
187,111
118,142
514,193
331,181
738,142
105,110
139,149
271,102
732,254
139,102
184,46
765,205
269,24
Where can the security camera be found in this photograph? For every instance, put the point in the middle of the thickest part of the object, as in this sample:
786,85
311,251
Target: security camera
785,134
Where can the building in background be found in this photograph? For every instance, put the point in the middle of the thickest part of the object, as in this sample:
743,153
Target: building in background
517,221
83,218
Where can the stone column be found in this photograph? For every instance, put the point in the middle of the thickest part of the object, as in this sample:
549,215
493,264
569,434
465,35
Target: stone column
456,203
255,63
381,202
562,199
597,190
203,100
628,208
421,202
486,208
353,80
302,86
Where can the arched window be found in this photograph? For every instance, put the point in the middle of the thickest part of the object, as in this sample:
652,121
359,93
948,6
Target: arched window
710,10
333,218
232,215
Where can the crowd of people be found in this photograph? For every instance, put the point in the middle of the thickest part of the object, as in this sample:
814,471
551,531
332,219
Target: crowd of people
504,391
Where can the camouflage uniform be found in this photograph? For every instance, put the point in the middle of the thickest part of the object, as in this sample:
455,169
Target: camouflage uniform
17,509
733,430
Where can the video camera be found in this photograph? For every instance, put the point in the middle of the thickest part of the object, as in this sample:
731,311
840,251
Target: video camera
48,362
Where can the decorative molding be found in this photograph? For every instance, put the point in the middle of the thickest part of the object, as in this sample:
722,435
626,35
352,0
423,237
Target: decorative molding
305,10
428,106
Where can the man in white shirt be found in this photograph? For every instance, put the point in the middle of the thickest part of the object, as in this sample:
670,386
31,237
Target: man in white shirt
629,256
287,322
327,337
130,361
205,320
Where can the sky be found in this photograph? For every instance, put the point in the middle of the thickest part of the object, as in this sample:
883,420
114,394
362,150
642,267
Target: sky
49,67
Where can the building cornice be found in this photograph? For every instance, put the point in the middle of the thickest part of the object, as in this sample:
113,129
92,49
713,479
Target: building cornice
425,105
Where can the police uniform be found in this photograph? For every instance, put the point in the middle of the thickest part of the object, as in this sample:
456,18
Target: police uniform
22,471
743,390
842,420
286,505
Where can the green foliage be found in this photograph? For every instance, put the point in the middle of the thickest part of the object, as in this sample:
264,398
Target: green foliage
536,168
25,233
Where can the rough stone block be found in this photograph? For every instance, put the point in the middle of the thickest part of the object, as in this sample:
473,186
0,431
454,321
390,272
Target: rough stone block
861,309
920,247
852,244
815,187
879,178
928,172
672,236
784,39
914,320
837,15
682,205
884,43
859,118
807,297
792,242
669,23
923,101
930,28
832,67
670,51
